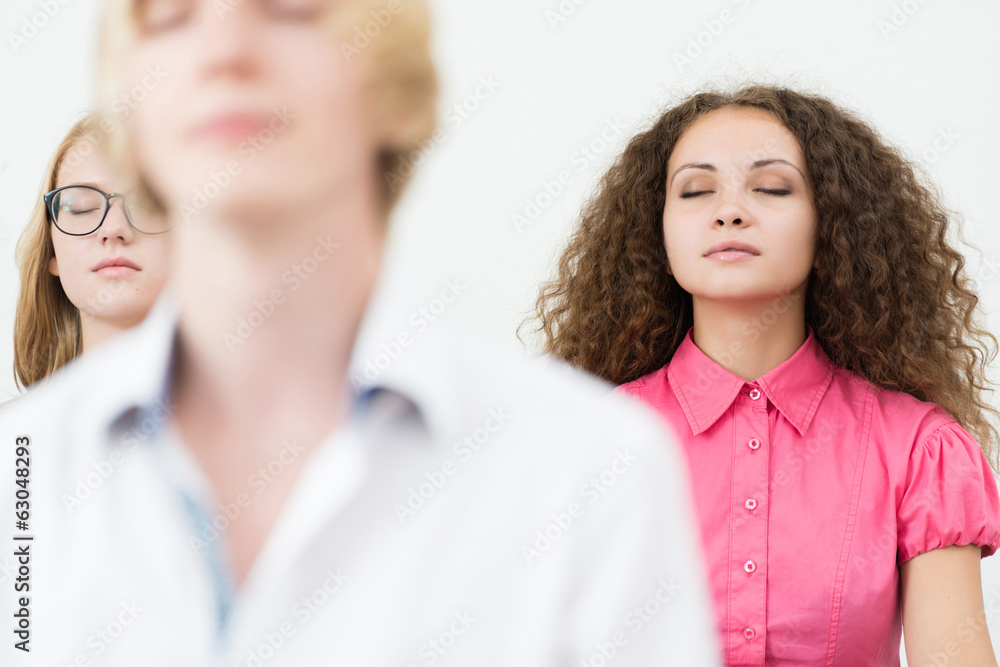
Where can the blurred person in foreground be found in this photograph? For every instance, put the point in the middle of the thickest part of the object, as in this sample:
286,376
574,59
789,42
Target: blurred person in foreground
244,480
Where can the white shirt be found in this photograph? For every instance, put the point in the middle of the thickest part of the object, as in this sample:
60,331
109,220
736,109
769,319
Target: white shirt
475,509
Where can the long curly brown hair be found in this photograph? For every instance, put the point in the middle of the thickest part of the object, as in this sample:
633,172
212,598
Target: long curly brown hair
889,300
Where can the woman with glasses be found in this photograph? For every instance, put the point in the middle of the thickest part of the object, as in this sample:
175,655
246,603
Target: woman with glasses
92,259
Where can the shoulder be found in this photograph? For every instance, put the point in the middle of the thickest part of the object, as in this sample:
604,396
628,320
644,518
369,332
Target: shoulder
78,395
651,383
549,401
892,417
57,397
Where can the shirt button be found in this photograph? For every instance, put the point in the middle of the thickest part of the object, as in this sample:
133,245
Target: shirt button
755,393
754,443
749,566
749,633
751,504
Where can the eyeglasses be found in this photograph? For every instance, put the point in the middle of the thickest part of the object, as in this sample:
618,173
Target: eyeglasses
78,210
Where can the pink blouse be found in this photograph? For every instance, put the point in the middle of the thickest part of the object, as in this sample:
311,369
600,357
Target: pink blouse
810,492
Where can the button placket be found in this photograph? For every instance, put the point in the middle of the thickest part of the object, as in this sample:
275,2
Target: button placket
749,546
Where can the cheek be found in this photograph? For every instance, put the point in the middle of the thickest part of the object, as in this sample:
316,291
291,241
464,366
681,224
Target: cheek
677,240
152,103
157,258
74,273
803,240
64,256
306,60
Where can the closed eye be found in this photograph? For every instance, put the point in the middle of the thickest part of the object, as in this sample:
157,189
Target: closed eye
295,10
776,193
158,16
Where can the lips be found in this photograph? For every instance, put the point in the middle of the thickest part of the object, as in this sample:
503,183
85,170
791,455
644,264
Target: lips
734,247
117,264
231,126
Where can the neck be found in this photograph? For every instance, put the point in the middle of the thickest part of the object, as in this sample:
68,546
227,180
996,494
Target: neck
749,338
268,317
95,331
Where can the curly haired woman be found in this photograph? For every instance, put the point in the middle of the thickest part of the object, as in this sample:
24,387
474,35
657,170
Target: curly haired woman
771,277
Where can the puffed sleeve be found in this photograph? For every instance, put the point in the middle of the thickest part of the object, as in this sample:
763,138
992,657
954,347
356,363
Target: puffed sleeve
950,496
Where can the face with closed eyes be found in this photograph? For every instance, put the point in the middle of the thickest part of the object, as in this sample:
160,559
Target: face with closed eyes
251,105
115,273
739,222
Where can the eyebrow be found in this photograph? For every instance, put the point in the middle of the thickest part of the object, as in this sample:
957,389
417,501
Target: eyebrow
756,165
87,183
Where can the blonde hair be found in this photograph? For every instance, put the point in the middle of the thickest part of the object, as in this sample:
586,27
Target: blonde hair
47,332
391,40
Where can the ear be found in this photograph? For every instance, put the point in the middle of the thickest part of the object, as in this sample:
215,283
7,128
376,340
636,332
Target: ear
407,128
54,266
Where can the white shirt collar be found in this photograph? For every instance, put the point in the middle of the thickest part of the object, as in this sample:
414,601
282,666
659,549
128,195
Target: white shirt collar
146,353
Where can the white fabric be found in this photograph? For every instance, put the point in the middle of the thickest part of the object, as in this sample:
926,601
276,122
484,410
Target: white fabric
502,450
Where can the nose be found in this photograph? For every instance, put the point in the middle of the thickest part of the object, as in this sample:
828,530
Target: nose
732,210
229,43
116,225
736,222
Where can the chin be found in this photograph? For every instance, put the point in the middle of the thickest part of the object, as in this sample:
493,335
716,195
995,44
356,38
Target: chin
734,293
124,311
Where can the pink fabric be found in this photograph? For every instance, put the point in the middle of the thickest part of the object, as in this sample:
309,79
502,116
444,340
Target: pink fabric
810,491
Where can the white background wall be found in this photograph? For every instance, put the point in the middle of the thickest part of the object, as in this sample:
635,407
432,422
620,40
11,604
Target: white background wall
565,71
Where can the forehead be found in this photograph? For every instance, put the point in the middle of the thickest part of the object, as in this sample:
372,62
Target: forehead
84,164
736,137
